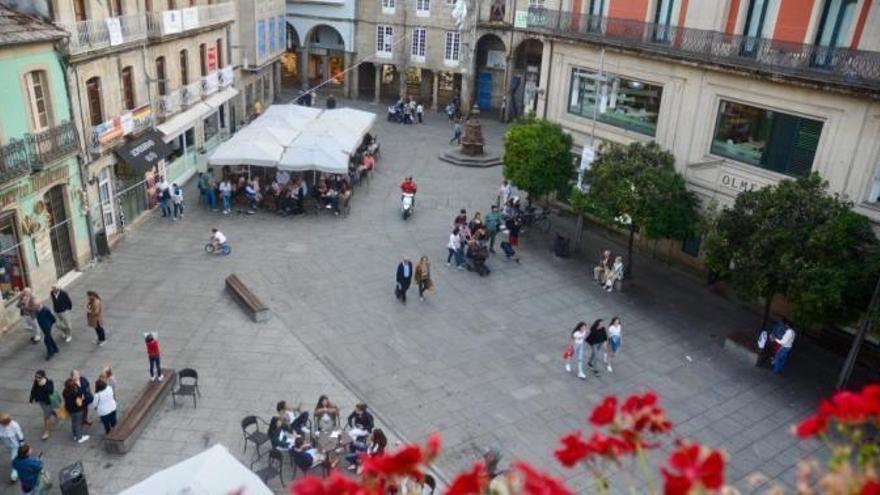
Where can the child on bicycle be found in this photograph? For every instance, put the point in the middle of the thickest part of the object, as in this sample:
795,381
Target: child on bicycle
217,238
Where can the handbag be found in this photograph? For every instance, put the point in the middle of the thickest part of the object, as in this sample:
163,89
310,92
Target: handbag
61,413
55,399
568,352
79,402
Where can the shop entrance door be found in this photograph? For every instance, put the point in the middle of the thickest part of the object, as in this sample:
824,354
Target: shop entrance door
59,231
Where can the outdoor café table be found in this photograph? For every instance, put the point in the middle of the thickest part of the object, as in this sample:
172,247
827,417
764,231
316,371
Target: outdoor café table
329,441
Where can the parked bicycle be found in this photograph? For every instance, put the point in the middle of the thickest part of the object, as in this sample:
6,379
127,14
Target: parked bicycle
538,219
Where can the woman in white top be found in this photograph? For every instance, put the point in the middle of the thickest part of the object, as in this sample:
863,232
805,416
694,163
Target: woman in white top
615,274
454,247
578,336
105,405
614,330
226,195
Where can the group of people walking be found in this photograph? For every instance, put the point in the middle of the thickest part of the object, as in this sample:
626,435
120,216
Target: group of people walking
39,320
405,275
600,339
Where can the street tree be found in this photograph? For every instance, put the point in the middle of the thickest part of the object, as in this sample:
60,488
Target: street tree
796,240
537,157
637,187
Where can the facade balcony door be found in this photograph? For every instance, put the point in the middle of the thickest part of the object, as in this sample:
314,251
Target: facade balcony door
835,26
59,230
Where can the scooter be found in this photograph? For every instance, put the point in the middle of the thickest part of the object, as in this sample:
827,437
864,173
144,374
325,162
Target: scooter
406,205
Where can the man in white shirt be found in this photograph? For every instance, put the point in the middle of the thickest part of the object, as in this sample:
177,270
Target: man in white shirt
504,193
11,438
217,238
785,344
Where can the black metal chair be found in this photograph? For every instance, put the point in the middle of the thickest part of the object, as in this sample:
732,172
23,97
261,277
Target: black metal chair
255,436
187,384
273,468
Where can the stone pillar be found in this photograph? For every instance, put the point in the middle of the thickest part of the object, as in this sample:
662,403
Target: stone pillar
346,82
304,67
354,76
466,103
401,82
544,80
378,89
435,90
508,81
325,68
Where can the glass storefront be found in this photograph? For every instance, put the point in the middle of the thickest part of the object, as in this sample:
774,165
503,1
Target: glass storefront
131,194
212,126
622,102
12,274
765,138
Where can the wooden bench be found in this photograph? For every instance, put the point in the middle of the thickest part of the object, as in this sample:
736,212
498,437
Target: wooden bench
145,406
250,302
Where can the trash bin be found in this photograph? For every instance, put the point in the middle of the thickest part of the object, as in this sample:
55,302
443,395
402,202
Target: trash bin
101,243
72,480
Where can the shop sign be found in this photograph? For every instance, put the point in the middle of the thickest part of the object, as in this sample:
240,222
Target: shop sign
105,133
736,183
212,59
37,182
171,22
144,152
190,17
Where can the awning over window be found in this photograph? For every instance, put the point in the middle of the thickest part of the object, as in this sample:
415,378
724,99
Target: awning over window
176,125
214,101
144,151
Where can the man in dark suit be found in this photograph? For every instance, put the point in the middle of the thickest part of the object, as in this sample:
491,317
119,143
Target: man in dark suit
62,306
404,278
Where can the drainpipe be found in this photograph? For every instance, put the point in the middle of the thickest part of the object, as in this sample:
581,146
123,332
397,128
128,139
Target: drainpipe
81,157
547,83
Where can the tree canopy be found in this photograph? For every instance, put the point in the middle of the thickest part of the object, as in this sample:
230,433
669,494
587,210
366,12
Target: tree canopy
537,157
796,240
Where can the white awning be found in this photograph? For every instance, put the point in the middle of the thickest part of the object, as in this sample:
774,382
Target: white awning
249,146
217,99
310,151
176,125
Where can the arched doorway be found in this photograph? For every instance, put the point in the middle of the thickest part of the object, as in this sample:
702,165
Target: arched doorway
526,77
59,230
491,64
366,79
326,59
290,62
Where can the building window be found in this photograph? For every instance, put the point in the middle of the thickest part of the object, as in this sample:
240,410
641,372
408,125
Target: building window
211,127
597,7
161,82
203,59
12,274
419,38
115,8
771,140
756,26
536,4
128,87
663,20
453,47
148,5
384,40
172,5
219,53
38,100
184,68
79,10
423,8
834,28
618,101
93,96
388,6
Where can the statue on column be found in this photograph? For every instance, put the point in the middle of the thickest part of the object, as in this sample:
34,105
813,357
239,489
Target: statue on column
459,13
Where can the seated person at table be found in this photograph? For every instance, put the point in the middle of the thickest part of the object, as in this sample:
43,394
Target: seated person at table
368,162
360,418
279,437
344,193
304,455
294,420
376,445
331,198
251,194
326,413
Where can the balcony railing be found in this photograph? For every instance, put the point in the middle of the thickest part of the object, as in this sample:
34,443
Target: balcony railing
102,33
226,76
191,94
843,66
169,104
178,21
32,152
111,133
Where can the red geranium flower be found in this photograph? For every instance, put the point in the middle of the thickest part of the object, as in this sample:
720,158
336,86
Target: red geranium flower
404,462
538,483
812,426
691,466
573,450
471,482
872,487
635,402
337,484
433,447
605,412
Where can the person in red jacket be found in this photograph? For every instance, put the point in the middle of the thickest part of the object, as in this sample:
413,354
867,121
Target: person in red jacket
153,356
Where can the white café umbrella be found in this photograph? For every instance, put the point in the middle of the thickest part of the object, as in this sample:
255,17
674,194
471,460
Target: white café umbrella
212,472
296,116
249,146
277,128
347,122
314,151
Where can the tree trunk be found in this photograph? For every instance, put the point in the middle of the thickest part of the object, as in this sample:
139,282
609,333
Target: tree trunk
579,229
632,234
764,356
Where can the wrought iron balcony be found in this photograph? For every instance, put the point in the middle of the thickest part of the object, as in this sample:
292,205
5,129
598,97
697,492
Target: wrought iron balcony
169,104
32,152
840,66
98,34
191,94
226,76
170,22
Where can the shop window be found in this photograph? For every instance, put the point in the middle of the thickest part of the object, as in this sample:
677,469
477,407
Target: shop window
384,40
211,126
38,100
453,47
12,274
184,67
419,46
128,87
691,246
161,82
765,138
93,96
618,101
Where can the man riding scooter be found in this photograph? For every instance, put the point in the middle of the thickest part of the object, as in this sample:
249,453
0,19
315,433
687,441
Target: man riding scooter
408,197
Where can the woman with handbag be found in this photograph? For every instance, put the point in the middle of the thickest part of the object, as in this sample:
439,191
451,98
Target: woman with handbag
423,277
44,394
575,349
74,403
95,316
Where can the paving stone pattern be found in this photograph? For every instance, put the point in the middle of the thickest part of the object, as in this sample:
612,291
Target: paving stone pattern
479,361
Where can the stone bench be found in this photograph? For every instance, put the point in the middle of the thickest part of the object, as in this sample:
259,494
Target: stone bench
247,299
146,404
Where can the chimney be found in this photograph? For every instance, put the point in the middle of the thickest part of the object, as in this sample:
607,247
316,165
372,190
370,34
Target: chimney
36,8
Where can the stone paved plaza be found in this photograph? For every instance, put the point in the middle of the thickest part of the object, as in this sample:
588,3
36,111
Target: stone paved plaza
479,361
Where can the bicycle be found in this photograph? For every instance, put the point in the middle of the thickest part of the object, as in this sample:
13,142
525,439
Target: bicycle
223,249
537,219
